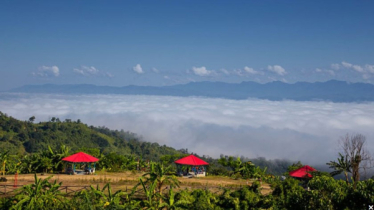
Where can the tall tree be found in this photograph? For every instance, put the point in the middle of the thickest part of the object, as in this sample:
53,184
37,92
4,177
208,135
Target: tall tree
354,149
31,119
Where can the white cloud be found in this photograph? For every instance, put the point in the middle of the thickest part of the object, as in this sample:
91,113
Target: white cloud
47,71
107,74
166,77
331,72
346,64
91,71
138,69
250,70
335,66
238,72
277,69
155,70
358,68
225,71
201,71
279,129
366,76
369,68
86,70
283,80
361,69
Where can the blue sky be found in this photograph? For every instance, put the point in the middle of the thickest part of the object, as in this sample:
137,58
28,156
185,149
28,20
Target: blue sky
169,42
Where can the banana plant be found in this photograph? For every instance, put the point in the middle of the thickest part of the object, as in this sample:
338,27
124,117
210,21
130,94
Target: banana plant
171,202
150,202
57,156
129,164
40,195
30,163
113,199
342,165
3,159
89,199
161,175
13,166
98,198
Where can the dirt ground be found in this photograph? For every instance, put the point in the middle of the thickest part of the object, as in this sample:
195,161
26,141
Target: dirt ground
127,180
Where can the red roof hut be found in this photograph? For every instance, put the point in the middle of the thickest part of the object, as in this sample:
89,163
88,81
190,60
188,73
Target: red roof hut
302,172
81,157
191,160
198,166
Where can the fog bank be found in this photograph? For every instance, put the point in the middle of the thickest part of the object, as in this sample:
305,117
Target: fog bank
306,131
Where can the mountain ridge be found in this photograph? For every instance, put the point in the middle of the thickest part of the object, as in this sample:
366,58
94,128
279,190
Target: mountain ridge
332,90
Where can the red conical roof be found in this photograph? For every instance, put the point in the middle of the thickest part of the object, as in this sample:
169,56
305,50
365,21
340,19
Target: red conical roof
302,172
191,160
81,157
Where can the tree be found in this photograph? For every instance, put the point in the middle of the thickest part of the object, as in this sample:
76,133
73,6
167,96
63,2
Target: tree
30,163
293,167
343,165
234,164
231,162
31,119
354,149
46,164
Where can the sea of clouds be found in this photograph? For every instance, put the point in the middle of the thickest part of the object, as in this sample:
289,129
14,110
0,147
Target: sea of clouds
306,131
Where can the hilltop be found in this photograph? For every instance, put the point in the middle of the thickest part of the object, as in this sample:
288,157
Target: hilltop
21,137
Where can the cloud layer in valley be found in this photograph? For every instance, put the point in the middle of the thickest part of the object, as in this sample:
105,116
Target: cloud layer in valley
306,131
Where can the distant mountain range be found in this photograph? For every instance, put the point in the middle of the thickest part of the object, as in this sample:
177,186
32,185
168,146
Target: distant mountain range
333,90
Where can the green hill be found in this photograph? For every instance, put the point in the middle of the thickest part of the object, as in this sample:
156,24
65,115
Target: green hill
20,137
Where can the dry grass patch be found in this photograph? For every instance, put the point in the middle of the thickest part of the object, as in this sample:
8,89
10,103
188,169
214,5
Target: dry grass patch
127,180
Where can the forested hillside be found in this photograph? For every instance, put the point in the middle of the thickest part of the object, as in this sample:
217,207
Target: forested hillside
21,137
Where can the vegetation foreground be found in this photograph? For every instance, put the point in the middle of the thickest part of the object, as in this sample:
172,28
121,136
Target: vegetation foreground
158,189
